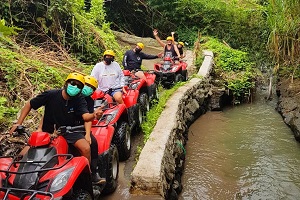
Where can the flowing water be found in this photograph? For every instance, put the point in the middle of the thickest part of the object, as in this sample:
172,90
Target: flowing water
244,152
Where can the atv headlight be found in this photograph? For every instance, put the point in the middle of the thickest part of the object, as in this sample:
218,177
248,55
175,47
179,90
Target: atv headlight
111,116
166,66
61,180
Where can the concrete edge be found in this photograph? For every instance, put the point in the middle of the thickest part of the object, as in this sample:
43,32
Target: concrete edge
147,176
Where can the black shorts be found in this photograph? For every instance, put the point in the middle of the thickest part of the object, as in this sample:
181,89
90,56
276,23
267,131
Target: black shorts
72,138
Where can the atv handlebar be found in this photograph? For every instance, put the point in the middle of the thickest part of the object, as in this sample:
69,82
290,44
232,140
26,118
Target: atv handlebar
112,90
65,129
107,108
20,130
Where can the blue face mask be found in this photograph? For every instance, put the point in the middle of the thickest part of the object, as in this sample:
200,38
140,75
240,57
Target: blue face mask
73,90
87,91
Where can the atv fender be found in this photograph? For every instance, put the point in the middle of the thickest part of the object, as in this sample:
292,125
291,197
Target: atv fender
141,83
104,137
150,79
183,65
131,98
157,67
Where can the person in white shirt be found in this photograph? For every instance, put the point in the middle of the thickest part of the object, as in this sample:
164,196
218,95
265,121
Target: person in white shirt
110,76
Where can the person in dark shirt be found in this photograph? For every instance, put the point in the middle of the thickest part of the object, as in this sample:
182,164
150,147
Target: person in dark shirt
133,58
62,108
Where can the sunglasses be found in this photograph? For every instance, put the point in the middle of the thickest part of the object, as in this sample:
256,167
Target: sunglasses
76,83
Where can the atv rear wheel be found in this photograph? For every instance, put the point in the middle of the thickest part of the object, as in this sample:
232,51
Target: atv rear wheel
82,195
178,78
138,116
122,139
112,171
155,92
185,75
144,103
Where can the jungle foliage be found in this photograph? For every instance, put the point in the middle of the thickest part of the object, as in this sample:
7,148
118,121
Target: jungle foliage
283,19
240,23
76,26
233,68
267,29
24,72
41,41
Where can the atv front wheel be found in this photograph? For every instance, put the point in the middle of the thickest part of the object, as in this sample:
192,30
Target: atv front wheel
112,171
82,195
122,139
178,78
185,75
144,103
155,93
138,116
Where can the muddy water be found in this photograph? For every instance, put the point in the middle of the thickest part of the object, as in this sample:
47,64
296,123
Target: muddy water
245,152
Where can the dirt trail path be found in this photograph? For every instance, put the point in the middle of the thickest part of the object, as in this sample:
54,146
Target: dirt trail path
126,167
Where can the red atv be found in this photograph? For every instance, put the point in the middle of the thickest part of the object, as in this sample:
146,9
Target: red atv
125,118
169,71
50,169
148,90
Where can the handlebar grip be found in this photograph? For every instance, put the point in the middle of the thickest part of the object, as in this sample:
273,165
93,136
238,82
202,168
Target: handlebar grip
75,128
65,129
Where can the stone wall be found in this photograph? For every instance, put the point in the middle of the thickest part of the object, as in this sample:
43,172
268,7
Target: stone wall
288,104
132,39
160,164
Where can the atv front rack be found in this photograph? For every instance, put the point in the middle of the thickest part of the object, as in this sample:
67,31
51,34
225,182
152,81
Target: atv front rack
40,171
28,194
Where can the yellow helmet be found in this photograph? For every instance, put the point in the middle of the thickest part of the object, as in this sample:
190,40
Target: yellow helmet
91,81
182,44
109,53
141,45
169,38
76,76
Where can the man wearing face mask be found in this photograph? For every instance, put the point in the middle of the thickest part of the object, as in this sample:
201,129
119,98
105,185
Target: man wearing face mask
62,108
133,58
89,87
110,76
